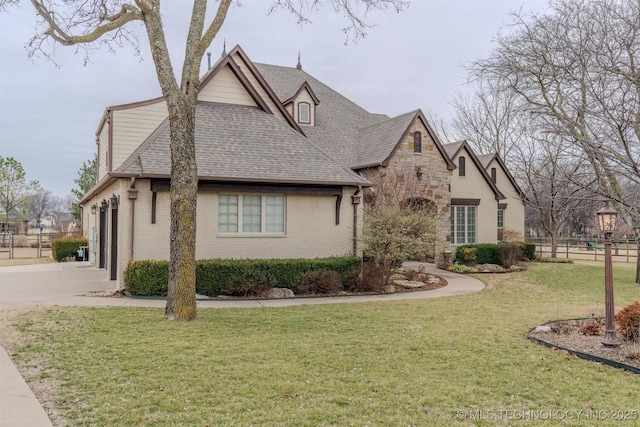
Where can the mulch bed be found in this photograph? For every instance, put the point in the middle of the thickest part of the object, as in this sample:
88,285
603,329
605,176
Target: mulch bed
566,335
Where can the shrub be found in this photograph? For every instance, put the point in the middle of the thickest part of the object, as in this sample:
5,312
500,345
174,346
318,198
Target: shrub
628,320
148,278
590,328
253,284
508,255
66,247
368,278
490,253
319,282
396,233
555,260
461,268
467,255
529,249
485,253
217,277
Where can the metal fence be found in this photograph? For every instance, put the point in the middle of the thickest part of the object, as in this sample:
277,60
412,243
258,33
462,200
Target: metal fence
587,249
30,245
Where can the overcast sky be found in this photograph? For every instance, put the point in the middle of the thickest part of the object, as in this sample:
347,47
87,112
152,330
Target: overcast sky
49,115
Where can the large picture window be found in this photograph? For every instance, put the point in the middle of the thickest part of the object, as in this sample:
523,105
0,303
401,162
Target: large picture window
463,224
251,214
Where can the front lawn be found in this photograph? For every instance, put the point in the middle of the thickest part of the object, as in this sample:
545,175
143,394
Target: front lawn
461,360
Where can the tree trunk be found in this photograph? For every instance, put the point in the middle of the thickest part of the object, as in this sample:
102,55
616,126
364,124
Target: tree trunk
637,261
554,245
181,302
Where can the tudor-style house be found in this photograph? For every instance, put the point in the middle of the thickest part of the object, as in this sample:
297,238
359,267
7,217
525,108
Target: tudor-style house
283,161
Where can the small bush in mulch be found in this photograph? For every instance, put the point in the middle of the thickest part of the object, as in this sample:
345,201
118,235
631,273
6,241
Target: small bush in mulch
565,327
509,255
319,282
248,288
590,328
369,278
628,320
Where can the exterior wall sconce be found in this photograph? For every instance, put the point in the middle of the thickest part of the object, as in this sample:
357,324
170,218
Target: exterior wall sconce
607,222
94,208
419,172
103,205
114,201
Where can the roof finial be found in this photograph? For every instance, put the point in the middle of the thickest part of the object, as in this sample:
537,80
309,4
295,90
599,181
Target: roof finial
224,49
299,65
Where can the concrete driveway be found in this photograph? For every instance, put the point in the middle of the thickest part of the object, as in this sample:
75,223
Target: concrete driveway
51,284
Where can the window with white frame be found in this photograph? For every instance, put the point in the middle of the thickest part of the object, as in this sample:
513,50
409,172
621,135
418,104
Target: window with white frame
304,113
251,213
500,218
463,224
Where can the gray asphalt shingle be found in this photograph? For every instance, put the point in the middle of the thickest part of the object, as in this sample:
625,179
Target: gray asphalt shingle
236,142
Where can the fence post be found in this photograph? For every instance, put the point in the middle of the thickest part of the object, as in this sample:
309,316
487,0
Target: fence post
40,244
566,242
540,246
10,245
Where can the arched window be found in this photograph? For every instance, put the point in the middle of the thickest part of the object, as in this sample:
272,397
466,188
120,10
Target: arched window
462,170
493,175
304,113
417,142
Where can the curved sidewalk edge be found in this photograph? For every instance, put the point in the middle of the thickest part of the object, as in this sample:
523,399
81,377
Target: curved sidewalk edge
19,406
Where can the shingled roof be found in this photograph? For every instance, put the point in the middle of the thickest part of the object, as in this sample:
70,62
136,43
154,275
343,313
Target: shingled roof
242,143
338,120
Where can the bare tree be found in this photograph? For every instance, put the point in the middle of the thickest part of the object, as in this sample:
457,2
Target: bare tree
556,184
41,206
87,23
491,119
577,66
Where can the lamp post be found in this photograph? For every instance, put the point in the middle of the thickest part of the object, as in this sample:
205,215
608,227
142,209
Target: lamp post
607,222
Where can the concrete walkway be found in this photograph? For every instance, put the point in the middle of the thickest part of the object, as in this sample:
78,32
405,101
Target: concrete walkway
67,284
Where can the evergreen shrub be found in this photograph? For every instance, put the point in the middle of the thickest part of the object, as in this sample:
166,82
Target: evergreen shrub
220,276
66,247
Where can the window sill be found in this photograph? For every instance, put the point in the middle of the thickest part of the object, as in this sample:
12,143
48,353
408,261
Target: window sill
251,235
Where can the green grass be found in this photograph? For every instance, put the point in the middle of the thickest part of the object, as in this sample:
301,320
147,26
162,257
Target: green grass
376,364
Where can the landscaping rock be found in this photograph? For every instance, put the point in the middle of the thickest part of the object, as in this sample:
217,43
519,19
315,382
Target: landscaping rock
279,293
490,268
408,284
397,276
542,329
389,289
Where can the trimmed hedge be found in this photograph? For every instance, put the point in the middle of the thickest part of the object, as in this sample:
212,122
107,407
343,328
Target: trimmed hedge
215,277
487,253
529,249
66,247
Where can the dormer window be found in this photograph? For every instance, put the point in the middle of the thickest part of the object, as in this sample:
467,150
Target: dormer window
304,113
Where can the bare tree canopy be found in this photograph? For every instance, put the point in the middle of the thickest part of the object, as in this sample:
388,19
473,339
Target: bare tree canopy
88,24
577,69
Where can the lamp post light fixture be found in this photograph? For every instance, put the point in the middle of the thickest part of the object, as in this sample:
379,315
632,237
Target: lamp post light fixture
607,222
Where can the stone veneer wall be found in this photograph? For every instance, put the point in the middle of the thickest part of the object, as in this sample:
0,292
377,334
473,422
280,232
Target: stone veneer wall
434,184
